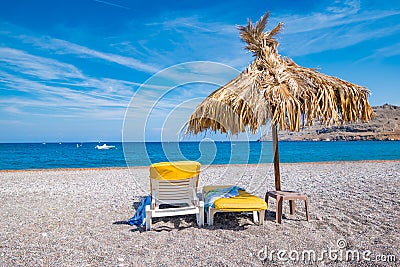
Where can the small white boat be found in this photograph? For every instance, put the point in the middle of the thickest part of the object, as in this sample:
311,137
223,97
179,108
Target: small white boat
104,146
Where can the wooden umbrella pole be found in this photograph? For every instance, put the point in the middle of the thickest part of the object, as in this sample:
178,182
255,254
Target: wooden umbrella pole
276,158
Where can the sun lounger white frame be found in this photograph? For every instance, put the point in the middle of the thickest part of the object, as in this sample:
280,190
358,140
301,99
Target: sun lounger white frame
180,193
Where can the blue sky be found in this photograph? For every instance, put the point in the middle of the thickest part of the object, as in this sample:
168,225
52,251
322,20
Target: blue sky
70,69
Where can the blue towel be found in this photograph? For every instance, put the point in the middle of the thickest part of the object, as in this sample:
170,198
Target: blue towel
213,195
139,219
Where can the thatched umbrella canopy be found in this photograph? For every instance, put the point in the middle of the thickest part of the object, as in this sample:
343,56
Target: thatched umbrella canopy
275,89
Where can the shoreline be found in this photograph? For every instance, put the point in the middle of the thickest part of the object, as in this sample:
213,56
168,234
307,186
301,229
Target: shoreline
211,165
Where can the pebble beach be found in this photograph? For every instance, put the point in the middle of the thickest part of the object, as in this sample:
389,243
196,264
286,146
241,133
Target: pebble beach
77,217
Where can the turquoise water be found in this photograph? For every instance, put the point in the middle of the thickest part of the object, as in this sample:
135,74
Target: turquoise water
67,155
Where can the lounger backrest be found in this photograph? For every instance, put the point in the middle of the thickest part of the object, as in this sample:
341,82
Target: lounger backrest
174,182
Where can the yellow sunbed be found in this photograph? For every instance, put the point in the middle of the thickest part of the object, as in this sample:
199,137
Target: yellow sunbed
242,203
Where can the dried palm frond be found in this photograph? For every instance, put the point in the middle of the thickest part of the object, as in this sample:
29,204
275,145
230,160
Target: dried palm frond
276,89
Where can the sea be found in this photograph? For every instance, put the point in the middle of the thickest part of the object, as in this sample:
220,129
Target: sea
23,156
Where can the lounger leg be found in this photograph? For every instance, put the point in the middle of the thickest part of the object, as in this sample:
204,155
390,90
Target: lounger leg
307,214
210,216
279,204
262,217
292,208
201,215
148,218
255,217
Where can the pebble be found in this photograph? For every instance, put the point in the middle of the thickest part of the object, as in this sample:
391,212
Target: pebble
82,211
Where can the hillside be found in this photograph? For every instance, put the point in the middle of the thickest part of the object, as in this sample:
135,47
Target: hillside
384,126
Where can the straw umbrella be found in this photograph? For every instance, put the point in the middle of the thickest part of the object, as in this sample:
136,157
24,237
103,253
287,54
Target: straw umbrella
275,89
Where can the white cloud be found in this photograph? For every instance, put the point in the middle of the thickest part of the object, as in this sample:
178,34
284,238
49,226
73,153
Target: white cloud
12,109
391,50
319,41
337,27
195,37
100,98
59,46
344,6
384,52
194,23
102,87
40,67
324,20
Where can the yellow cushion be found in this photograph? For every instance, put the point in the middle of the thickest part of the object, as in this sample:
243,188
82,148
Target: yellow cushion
174,170
243,202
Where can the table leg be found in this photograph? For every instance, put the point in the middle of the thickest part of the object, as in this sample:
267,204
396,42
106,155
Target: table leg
291,204
307,214
279,204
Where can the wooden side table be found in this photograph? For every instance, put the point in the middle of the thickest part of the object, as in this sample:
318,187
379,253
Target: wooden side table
280,196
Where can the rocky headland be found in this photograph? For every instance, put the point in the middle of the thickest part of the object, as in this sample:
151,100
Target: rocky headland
385,125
